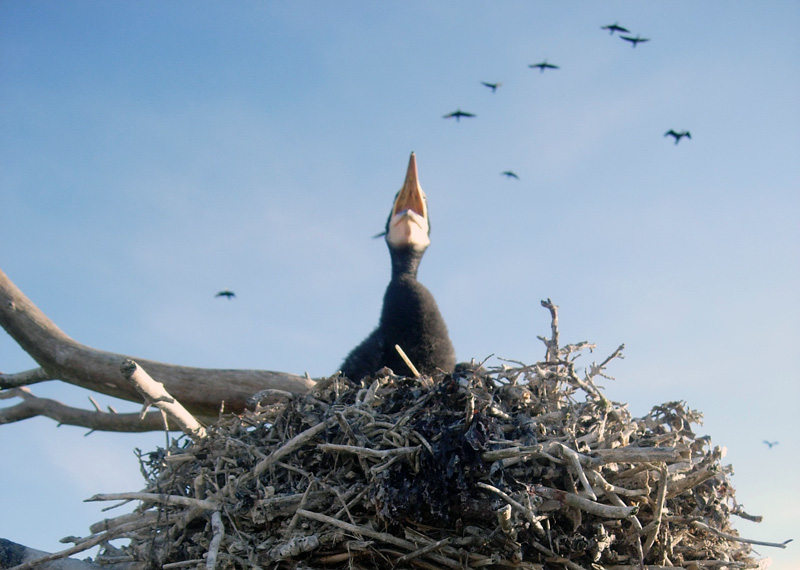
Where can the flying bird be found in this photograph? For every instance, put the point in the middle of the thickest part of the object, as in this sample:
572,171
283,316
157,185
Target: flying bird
615,28
544,65
458,114
510,174
636,40
492,86
678,136
770,443
226,293
410,317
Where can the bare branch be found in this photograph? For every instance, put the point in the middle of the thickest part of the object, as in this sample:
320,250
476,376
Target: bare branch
201,390
552,343
12,555
155,393
32,406
23,378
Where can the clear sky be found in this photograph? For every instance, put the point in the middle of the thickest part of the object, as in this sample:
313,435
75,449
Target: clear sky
153,153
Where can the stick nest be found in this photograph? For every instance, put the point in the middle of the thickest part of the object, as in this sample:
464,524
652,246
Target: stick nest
523,466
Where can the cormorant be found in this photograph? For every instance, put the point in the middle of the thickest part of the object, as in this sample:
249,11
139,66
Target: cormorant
544,65
636,40
492,86
458,114
410,317
510,174
226,293
615,28
678,136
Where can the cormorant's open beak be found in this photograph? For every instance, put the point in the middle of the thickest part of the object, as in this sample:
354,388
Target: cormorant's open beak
408,222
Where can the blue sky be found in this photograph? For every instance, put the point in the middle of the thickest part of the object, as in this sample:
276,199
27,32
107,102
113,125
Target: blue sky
154,153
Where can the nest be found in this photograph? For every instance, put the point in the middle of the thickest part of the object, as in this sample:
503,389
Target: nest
521,466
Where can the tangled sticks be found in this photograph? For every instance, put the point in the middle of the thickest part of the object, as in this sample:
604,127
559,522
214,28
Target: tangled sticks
480,469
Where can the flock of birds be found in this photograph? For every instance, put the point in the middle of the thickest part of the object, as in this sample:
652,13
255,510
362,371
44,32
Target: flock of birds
411,336
622,32
458,114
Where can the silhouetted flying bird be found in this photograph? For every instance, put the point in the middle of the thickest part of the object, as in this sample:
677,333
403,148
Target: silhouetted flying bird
636,40
770,443
678,136
510,174
492,86
458,114
226,293
544,65
615,28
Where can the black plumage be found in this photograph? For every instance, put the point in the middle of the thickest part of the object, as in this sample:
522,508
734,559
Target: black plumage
615,28
410,317
678,135
543,65
457,114
226,293
634,41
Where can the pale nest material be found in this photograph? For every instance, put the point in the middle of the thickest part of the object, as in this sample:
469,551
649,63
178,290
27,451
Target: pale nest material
523,466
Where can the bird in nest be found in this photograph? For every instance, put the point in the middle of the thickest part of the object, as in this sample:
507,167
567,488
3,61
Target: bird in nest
410,317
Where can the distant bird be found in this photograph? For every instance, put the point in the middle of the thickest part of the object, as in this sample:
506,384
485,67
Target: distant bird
678,136
770,443
615,28
458,114
226,293
636,40
410,317
492,86
510,174
544,65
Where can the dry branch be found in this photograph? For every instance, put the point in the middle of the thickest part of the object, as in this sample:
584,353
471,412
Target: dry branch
154,393
32,406
201,390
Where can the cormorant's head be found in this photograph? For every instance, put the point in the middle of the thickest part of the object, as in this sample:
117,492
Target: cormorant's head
407,226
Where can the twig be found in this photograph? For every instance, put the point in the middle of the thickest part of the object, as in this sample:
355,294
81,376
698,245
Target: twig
727,536
155,393
157,498
526,512
85,545
25,378
407,360
292,445
33,406
572,459
385,537
213,547
425,550
552,343
365,451
579,502
637,455
658,510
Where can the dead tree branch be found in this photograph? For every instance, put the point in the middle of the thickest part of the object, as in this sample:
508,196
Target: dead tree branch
154,393
32,406
203,391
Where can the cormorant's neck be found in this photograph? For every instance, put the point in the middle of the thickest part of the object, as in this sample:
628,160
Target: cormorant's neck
405,262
